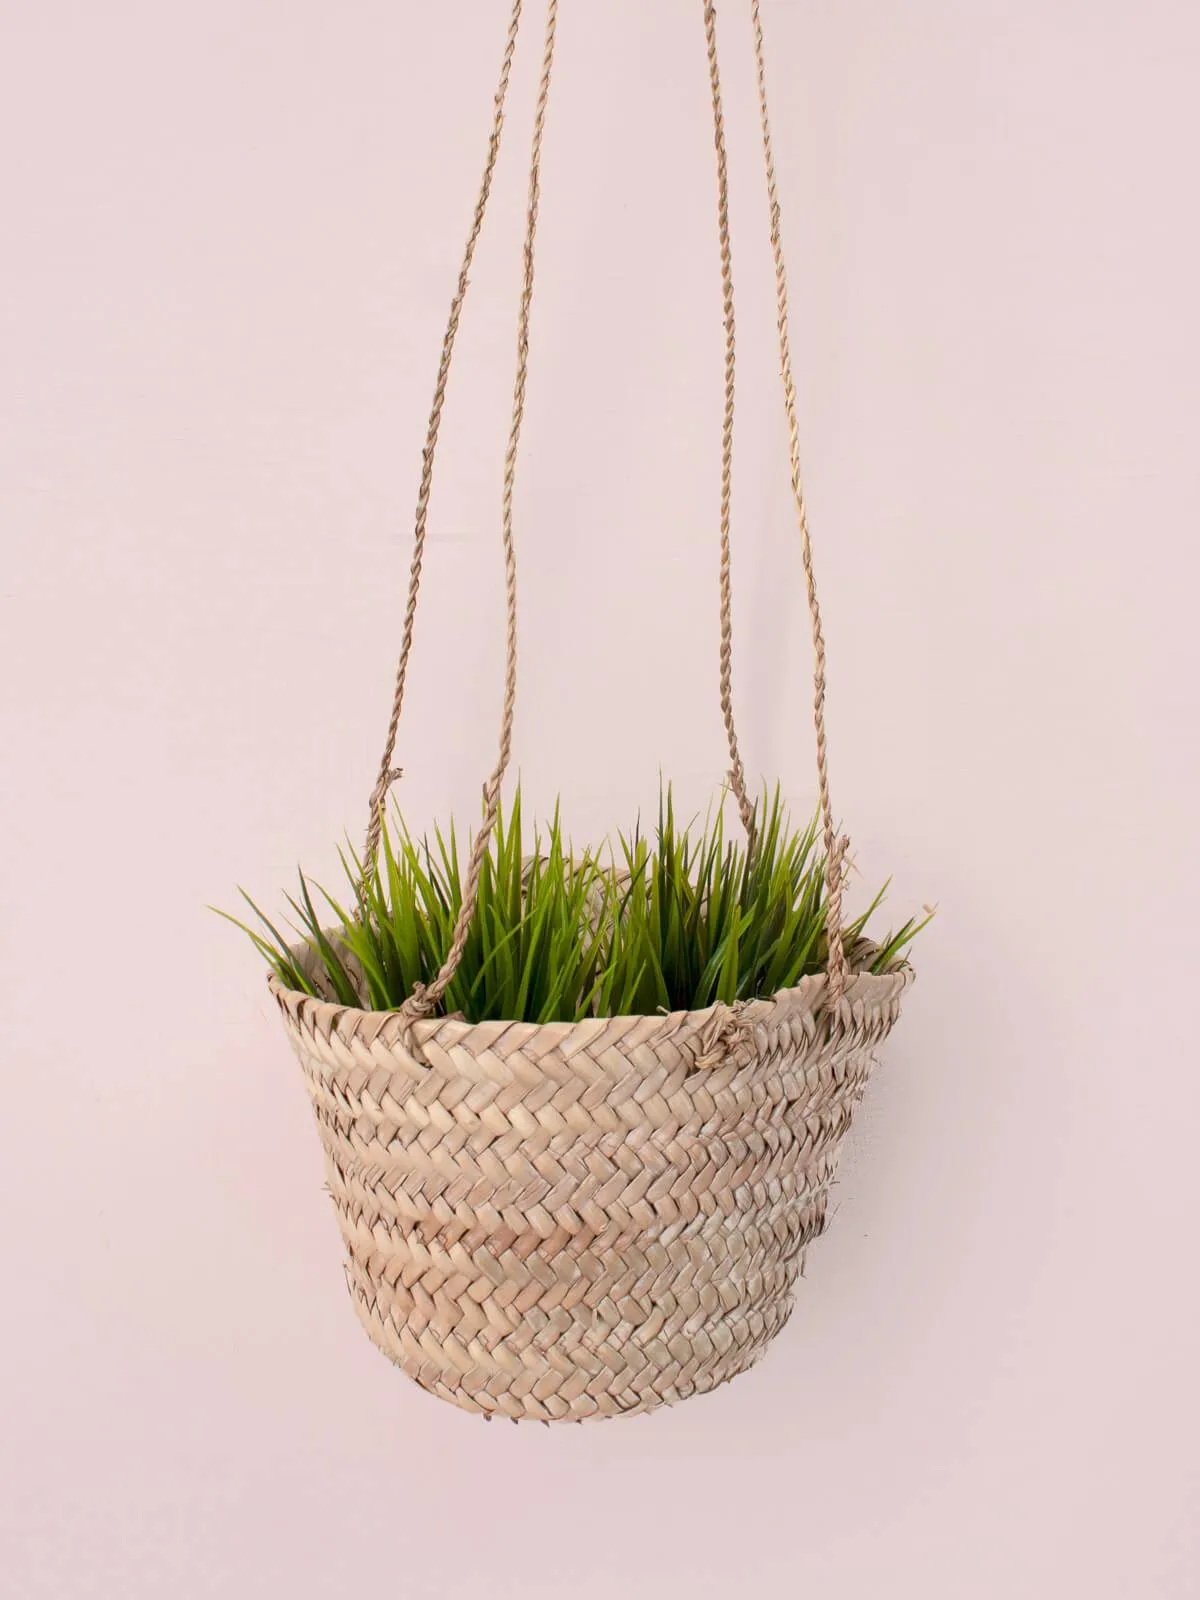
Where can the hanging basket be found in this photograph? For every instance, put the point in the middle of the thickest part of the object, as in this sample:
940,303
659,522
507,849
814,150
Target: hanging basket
584,1219
569,1220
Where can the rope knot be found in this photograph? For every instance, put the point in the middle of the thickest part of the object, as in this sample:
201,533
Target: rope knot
418,1006
383,787
839,867
725,1032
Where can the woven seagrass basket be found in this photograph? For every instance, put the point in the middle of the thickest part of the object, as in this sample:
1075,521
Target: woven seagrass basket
582,1220
594,1218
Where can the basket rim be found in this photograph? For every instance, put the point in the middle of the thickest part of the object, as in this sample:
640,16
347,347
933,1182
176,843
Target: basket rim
865,992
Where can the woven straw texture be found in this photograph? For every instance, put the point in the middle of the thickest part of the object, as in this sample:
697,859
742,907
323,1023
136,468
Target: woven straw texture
576,1220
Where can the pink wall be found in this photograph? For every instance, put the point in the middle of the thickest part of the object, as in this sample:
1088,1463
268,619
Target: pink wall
228,232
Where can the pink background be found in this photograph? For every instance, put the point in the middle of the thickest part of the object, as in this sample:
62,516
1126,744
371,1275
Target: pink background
228,234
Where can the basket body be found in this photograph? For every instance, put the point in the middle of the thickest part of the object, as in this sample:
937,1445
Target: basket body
576,1220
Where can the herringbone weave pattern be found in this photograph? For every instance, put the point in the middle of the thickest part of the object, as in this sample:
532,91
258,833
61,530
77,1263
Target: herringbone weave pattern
584,1219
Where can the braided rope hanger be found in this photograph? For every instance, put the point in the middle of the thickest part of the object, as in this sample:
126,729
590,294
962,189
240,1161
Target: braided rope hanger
425,998
387,774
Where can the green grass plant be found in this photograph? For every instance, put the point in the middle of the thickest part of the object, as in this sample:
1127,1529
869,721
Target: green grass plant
679,920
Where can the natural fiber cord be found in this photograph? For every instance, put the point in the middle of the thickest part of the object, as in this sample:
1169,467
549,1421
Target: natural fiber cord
387,773
587,1219
737,773
835,847
424,1000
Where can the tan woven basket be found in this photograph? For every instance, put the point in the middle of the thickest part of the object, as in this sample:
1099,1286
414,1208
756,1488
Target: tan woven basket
589,1219
594,1218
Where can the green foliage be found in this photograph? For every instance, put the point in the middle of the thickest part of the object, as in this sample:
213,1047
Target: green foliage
678,922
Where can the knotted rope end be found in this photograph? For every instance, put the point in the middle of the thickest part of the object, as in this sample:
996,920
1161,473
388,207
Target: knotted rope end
418,1007
726,1031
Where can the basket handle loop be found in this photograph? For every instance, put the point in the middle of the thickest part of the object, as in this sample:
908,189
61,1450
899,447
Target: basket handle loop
425,998
388,775
835,845
737,772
